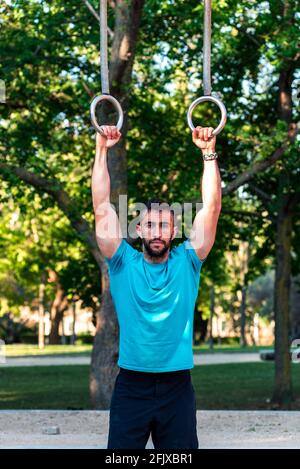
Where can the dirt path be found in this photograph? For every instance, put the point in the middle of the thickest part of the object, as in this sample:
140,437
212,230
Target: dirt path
88,429
199,359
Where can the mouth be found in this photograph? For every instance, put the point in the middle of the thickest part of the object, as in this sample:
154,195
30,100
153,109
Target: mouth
158,243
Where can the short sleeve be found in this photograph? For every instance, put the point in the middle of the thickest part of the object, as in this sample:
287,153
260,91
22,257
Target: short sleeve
124,254
192,256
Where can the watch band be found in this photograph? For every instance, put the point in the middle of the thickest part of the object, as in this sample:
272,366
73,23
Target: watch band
210,156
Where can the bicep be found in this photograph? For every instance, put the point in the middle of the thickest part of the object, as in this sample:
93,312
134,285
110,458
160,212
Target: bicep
204,230
108,229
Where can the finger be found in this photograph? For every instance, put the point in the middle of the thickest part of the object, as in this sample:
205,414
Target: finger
110,133
199,129
205,134
201,134
210,131
103,132
113,131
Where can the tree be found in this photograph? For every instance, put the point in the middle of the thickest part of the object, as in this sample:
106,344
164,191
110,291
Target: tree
28,140
46,144
44,263
265,135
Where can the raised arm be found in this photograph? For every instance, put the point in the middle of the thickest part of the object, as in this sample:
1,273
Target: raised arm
205,223
108,230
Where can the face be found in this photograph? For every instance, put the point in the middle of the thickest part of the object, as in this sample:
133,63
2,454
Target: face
157,232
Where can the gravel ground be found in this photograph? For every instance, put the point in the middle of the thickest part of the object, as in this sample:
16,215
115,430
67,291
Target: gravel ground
199,359
88,429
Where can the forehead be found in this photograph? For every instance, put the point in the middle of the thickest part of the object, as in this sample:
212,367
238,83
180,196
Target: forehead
157,216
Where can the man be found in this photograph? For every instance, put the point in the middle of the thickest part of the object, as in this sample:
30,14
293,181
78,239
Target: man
154,294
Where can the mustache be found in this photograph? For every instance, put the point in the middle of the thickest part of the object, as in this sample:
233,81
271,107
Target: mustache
152,251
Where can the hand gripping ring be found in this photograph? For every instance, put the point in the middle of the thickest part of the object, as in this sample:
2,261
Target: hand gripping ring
117,106
202,99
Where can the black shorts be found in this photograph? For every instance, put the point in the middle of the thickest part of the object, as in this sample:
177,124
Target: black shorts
160,404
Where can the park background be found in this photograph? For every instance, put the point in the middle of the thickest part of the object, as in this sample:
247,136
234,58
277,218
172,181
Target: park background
54,289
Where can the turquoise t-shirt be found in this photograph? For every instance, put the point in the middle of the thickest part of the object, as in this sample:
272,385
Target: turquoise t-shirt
155,307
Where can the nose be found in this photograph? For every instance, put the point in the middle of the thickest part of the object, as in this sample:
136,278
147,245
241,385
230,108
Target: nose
157,232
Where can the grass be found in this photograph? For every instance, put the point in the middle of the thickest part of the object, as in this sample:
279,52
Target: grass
227,386
45,387
238,386
230,348
28,350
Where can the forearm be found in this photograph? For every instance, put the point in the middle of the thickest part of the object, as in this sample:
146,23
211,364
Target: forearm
100,178
211,185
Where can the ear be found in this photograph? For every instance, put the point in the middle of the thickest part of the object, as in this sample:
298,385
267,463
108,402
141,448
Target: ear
175,231
138,230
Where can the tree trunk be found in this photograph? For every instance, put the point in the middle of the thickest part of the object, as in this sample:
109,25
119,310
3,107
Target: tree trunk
243,342
57,315
211,315
295,310
282,394
58,307
41,337
105,351
73,338
106,343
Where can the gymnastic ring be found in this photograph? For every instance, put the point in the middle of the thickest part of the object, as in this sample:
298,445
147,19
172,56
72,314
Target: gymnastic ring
202,99
115,103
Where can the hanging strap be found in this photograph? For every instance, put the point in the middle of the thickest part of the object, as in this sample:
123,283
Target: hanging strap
103,47
207,48
104,75
207,75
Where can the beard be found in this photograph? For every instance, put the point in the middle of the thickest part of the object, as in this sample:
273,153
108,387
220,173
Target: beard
157,252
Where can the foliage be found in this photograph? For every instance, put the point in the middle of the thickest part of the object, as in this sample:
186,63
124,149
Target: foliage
50,58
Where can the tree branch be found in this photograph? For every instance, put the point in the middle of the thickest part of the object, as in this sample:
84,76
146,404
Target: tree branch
95,14
265,200
65,203
243,30
86,87
243,213
247,175
92,10
262,195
